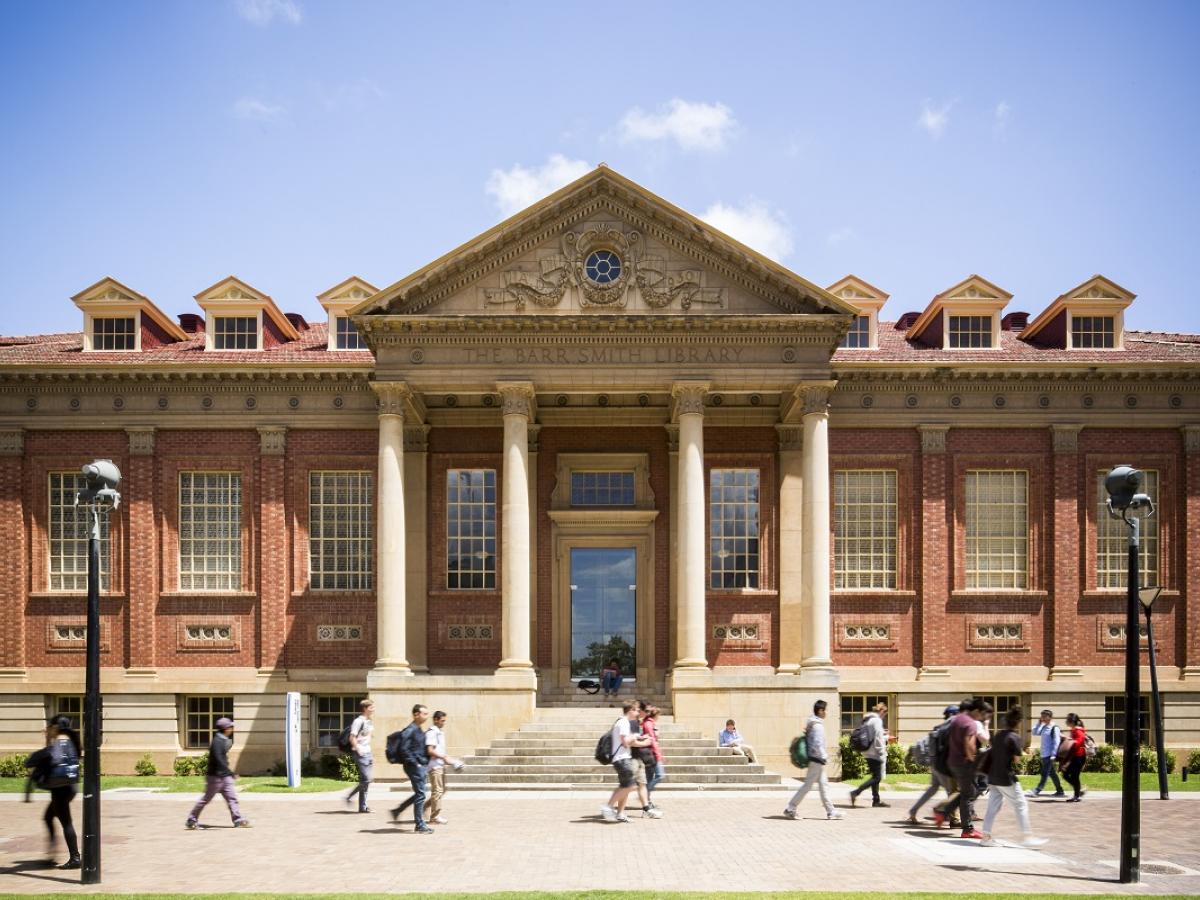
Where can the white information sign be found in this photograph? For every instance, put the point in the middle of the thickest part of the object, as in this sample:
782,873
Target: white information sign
292,738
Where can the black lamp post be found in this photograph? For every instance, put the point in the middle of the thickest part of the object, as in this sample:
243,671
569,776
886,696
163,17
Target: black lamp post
100,497
1127,502
1147,596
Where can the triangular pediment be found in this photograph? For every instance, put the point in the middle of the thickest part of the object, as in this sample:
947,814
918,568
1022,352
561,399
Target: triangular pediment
231,294
973,288
859,293
602,244
345,294
1100,288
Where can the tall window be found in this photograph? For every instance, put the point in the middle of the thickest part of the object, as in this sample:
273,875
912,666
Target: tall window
602,489
864,529
1112,540
210,531
997,529
1002,703
347,337
235,333
859,335
855,706
201,718
114,333
1114,719
339,531
333,715
1093,331
969,331
471,529
733,528
69,705
69,532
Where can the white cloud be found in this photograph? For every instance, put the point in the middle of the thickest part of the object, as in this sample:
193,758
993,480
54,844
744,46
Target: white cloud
839,235
516,188
355,95
693,126
264,12
1002,114
254,110
935,119
755,224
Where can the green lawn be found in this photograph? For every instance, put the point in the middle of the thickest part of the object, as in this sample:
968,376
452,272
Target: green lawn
194,784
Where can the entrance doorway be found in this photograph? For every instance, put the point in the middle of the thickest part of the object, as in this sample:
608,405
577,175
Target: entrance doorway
603,585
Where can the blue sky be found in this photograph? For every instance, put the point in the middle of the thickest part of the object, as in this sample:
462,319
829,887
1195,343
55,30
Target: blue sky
294,142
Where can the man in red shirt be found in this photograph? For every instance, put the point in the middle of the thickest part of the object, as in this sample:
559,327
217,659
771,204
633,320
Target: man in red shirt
964,749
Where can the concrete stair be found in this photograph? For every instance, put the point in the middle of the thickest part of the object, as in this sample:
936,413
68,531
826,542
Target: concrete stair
554,752
573,698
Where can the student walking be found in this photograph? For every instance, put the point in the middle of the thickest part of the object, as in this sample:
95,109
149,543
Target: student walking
361,730
1049,735
623,741
732,738
1003,783
414,756
219,778
876,755
435,746
1077,756
56,768
652,758
818,756
963,747
939,776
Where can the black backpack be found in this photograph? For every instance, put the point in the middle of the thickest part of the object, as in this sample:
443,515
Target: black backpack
861,738
604,750
939,741
392,749
344,739
62,769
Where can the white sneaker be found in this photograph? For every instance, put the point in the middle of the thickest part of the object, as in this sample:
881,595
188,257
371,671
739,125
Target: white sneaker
652,813
1031,841
989,842
438,820
835,815
789,813
621,817
608,814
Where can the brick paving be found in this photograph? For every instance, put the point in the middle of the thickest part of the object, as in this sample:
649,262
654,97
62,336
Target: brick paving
733,841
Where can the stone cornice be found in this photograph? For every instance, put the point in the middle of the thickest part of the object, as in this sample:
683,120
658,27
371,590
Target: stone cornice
1017,371
78,376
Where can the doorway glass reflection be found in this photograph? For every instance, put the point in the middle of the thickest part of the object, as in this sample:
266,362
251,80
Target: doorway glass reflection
603,609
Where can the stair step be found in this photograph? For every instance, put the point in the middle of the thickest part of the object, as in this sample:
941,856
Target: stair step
604,777
586,759
671,751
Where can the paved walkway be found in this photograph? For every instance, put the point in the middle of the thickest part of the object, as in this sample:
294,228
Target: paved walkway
731,841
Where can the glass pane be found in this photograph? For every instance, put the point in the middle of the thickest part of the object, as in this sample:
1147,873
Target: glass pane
603,609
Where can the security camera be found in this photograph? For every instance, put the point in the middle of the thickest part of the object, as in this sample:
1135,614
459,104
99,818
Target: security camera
102,478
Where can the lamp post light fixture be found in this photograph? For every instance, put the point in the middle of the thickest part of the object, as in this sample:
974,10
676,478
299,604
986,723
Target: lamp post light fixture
1127,502
1147,596
100,496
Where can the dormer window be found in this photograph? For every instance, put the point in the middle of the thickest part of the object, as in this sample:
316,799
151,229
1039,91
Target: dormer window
339,302
114,332
1090,316
965,317
969,331
235,332
346,336
1093,332
859,335
868,300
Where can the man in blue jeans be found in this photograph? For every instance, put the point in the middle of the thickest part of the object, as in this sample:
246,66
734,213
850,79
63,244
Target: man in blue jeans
415,757
1050,736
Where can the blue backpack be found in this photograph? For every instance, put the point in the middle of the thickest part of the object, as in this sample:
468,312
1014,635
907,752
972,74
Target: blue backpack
62,769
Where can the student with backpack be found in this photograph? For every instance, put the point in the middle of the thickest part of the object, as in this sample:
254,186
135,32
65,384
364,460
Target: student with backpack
1004,751
1050,737
926,753
56,769
219,777
814,743
1072,754
408,748
961,753
871,738
616,748
356,739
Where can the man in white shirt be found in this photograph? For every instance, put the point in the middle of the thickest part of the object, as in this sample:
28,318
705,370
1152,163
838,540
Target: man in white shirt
435,743
623,738
361,730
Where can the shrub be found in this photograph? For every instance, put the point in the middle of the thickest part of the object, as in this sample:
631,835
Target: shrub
1194,761
145,766
308,768
191,765
278,769
1105,760
1148,760
340,766
854,764
897,759
911,766
1032,765
13,766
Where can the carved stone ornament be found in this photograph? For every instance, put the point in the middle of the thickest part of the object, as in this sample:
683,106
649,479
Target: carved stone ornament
661,288
392,396
689,398
815,398
141,441
12,442
1065,438
543,288
517,399
416,439
791,437
272,440
672,438
578,247
933,438
1191,439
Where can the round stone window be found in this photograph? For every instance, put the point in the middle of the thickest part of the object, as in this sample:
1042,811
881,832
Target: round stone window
602,267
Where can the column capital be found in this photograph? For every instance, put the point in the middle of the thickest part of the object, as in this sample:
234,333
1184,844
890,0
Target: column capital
809,398
517,398
416,438
272,440
933,438
12,441
141,440
791,436
689,397
534,432
394,397
1191,439
672,437
1065,438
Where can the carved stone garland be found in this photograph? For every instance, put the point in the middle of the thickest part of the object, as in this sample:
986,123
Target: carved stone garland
578,247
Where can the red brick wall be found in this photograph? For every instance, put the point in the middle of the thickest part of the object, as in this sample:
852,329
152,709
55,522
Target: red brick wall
1188,613
14,572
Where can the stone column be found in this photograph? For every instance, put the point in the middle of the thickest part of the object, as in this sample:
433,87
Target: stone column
518,400
274,552
673,525
690,621
935,549
792,609
14,555
416,523
137,493
814,548
1065,551
534,432
390,615
1190,669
